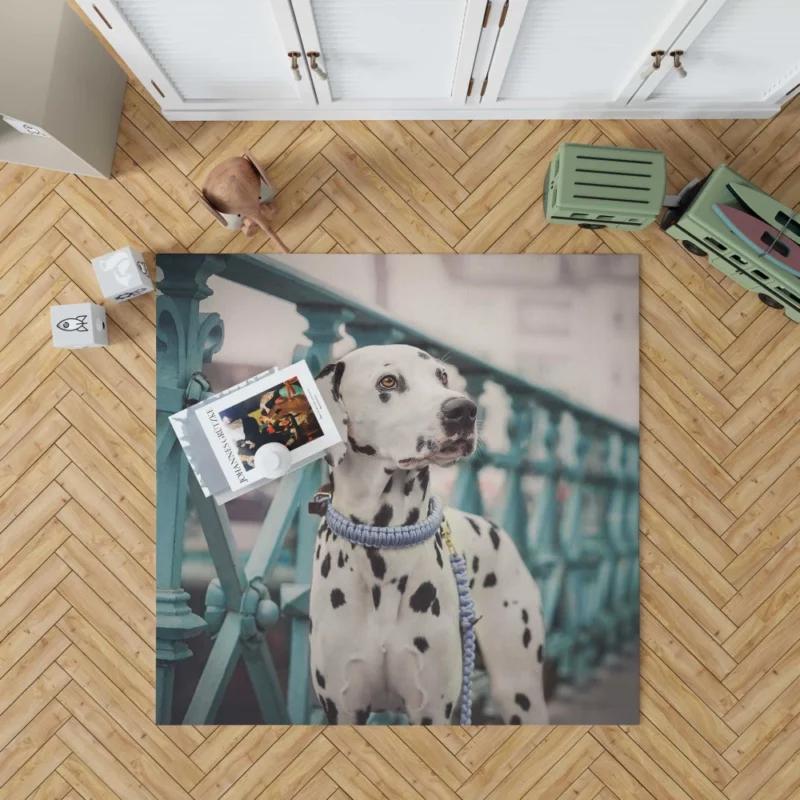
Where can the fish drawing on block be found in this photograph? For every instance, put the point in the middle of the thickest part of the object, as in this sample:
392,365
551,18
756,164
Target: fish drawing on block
77,324
763,238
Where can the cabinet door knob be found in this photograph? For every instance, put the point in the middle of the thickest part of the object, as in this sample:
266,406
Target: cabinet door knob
657,55
295,66
313,56
676,60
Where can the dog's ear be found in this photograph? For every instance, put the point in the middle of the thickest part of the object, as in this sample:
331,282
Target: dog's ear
329,382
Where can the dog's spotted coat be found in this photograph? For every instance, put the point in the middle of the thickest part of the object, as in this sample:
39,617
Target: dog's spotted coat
385,625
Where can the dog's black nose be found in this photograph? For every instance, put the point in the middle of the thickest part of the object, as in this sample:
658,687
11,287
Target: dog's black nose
460,411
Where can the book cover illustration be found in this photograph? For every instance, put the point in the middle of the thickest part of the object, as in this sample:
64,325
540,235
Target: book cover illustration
221,434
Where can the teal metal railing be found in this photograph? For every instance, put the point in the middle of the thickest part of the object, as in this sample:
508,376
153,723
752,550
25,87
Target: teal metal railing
570,500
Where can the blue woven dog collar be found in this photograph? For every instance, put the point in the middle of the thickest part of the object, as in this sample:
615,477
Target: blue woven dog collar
375,536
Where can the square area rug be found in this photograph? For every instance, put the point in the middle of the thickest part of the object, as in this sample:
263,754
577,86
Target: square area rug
488,406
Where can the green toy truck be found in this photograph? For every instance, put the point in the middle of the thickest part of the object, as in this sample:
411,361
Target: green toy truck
599,187
605,187
701,231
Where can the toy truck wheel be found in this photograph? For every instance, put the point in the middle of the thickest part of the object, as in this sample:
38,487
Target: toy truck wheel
769,301
592,226
693,248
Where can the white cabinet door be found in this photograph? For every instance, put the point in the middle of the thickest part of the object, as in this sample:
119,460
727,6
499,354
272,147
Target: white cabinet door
390,54
563,54
735,51
207,55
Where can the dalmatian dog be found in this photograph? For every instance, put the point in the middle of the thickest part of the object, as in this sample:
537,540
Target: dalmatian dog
384,626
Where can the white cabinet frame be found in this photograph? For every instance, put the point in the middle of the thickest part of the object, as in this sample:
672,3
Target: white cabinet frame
484,53
682,19
468,44
682,40
111,23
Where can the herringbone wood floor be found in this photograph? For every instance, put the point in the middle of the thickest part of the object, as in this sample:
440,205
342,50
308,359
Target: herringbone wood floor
720,513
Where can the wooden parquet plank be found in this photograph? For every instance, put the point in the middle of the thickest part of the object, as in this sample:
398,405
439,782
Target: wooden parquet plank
95,722
30,231
225,774
667,575
352,783
208,135
683,627
680,553
502,763
31,738
91,426
26,198
704,762
160,132
777,572
395,191
297,774
720,471
644,769
426,168
12,176
374,766
38,768
30,267
765,692
118,596
427,781
163,172
36,624
158,203
114,486
533,149
427,747
493,153
438,144
684,412
753,777
365,217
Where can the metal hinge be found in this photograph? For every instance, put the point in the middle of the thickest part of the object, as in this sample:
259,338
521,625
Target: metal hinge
503,15
483,88
469,88
487,12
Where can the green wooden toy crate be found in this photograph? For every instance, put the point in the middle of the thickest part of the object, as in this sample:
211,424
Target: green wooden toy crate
698,228
605,187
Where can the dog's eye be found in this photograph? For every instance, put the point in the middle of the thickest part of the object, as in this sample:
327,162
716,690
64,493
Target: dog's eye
387,382
443,377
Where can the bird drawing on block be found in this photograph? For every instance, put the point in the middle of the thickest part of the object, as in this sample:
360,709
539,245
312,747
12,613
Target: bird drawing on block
233,188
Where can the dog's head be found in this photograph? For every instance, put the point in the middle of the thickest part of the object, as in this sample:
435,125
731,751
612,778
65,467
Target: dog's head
395,402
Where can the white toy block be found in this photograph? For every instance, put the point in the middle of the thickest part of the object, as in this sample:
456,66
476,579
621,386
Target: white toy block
78,325
122,274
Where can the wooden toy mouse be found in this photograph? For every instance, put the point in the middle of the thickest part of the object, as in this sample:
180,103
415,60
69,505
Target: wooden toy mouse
238,193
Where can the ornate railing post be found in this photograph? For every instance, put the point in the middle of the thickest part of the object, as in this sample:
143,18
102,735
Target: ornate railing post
546,562
466,493
630,461
605,616
183,336
366,335
613,598
515,513
579,562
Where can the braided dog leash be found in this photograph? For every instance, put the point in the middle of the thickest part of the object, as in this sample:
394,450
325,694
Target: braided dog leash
408,536
466,613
